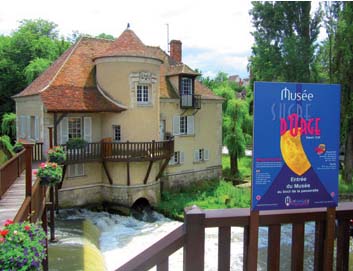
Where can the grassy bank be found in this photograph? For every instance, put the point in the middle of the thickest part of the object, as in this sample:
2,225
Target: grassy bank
244,166
215,194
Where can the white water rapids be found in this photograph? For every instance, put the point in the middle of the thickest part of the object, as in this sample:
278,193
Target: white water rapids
122,238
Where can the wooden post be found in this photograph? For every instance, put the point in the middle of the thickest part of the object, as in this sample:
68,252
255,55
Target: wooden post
194,249
128,164
28,157
45,228
52,215
50,137
329,238
55,129
253,241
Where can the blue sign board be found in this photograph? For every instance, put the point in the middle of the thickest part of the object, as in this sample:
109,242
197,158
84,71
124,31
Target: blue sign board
296,145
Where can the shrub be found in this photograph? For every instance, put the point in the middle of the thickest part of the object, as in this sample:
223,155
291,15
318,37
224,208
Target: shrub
22,246
8,125
49,173
57,155
6,146
18,147
76,143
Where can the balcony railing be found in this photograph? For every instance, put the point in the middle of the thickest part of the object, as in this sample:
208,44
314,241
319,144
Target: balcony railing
190,101
121,152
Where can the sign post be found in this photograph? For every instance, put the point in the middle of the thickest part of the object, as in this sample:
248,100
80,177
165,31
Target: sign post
296,150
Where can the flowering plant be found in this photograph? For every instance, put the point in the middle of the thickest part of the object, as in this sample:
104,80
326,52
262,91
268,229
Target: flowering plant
49,173
22,246
57,155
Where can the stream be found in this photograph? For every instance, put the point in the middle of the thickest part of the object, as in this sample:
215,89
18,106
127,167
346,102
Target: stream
102,241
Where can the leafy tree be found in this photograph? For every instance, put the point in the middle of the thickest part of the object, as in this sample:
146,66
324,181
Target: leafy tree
24,55
285,41
8,125
342,68
35,68
105,36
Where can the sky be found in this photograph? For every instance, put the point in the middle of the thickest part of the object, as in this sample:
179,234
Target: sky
215,33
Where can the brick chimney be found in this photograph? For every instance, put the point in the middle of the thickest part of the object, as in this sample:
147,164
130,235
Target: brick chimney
175,50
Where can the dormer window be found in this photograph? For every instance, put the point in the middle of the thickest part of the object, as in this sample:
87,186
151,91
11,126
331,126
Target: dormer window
143,96
186,86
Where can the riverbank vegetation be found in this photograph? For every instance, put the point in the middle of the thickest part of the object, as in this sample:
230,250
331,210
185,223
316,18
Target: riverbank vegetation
213,194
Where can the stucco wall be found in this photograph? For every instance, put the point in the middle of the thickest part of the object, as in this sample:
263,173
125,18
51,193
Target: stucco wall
208,134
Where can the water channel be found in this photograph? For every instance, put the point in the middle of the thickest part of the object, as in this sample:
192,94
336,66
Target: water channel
102,241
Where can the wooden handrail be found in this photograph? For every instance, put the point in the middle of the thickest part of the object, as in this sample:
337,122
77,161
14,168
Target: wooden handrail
191,237
10,171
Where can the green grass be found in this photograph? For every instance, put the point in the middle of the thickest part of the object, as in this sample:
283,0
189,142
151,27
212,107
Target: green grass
244,164
206,195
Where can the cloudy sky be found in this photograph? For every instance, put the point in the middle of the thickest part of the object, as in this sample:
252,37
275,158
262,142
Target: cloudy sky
215,34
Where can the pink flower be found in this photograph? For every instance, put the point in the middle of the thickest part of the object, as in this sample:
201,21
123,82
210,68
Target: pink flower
34,172
42,165
8,222
2,240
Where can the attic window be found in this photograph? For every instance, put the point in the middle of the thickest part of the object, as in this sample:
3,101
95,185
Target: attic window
186,86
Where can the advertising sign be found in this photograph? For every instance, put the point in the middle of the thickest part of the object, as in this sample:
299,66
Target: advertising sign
296,146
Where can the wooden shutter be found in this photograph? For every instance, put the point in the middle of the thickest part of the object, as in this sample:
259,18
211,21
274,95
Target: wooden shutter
36,128
176,125
23,122
190,125
28,127
64,130
87,129
181,157
196,156
206,154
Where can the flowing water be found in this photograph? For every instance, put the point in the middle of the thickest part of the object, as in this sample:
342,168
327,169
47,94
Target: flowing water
103,241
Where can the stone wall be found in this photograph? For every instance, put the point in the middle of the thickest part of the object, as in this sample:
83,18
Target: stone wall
116,194
184,179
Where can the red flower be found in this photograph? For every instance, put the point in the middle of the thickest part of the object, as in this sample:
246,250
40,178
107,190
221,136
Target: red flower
2,240
4,232
8,222
27,227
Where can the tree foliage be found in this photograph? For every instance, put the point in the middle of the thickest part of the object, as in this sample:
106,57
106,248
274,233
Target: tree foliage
24,54
285,41
8,125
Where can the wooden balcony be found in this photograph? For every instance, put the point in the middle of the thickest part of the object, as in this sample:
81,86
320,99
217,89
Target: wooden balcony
120,152
190,101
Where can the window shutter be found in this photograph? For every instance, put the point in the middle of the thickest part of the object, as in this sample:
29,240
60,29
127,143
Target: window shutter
181,157
171,161
196,156
190,123
64,128
206,155
28,127
22,133
87,126
36,128
176,125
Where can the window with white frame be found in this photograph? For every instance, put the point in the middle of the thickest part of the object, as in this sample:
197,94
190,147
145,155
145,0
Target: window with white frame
75,170
75,127
116,133
201,155
186,86
177,158
183,125
142,94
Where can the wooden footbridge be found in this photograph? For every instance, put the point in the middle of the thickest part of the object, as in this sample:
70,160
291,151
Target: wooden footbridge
21,196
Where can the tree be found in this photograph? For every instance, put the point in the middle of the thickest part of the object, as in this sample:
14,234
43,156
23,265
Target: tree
285,41
105,36
342,69
24,55
8,125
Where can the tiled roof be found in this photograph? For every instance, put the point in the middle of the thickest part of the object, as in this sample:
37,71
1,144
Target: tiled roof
77,99
69,83
127,44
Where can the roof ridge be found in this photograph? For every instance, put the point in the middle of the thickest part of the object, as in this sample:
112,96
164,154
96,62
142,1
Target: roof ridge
62,66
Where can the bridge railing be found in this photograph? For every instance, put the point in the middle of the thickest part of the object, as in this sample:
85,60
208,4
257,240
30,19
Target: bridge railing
191,236
10,171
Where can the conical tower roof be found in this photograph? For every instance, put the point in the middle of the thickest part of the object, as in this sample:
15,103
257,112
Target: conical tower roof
127,44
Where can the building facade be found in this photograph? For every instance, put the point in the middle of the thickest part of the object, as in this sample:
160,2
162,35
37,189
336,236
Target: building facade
146,119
